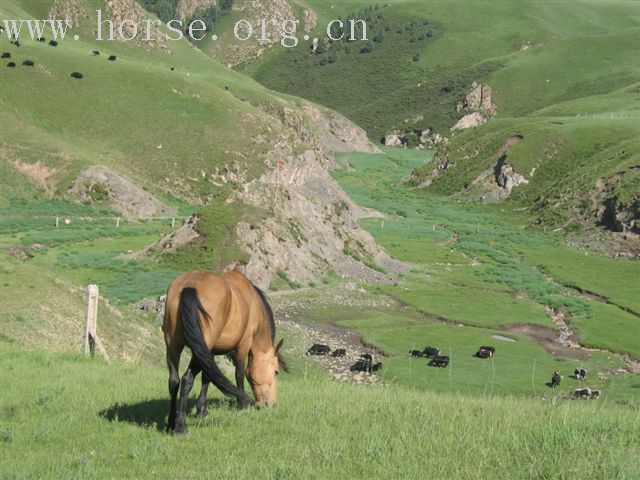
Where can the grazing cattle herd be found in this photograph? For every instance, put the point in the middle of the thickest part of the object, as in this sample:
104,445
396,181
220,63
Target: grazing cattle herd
53,43
365,364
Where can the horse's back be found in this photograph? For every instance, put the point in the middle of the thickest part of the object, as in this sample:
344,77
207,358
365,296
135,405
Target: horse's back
227,299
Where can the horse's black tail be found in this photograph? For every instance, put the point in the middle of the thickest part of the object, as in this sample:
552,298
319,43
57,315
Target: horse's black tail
189,307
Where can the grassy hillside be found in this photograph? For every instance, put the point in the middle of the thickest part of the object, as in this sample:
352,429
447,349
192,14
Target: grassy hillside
86,419
573,165
112,116
410,74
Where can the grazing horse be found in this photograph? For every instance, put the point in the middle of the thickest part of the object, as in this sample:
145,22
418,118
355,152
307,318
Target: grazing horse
215,315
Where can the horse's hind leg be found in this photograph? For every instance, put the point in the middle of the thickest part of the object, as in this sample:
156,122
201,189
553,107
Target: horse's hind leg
174,384
185,387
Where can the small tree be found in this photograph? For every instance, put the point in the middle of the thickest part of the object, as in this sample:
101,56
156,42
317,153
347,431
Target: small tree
379,36
225,7
367,47
209,17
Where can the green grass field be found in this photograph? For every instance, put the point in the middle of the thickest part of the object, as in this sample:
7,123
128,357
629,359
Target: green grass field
84,419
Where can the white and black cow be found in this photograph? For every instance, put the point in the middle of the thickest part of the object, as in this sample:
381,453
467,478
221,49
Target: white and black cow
485,352
580,373
582,392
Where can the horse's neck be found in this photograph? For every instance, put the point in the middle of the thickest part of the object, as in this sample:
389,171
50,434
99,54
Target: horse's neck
261,341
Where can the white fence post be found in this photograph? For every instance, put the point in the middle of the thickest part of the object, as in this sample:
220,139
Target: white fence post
90,339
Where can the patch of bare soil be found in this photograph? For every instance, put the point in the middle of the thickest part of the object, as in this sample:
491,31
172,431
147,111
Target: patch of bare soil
38,173
547,337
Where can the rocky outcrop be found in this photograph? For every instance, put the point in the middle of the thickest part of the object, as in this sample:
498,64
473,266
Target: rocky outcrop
479,106
310,20
395,138
479,99
99,184
469,121
131,13
187,8
507,178
312,225
414,138
72,11
611,211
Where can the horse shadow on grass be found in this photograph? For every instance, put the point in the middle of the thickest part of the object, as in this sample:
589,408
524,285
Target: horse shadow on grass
154,413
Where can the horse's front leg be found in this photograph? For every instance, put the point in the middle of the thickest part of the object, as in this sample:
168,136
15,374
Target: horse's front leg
201,404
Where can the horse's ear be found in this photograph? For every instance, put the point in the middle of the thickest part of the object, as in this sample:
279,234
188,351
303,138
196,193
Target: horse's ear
281,362
283,365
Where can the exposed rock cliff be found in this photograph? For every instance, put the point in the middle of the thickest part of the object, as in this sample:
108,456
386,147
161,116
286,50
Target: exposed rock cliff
99,184
313,225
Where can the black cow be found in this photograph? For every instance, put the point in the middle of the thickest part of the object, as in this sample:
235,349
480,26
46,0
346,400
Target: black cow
365,365
53,43
431,352
318,349
339,352
6,55
555,379
172,69
41,39
95,53
439,361
11,64
582,393
580,373
416,353
77,75
367,356
28,63
16,43
112,58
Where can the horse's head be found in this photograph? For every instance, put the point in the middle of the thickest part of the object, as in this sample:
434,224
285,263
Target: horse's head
262,373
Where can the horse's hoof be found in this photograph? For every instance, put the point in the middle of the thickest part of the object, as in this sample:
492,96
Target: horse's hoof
202,413
179,429
244,403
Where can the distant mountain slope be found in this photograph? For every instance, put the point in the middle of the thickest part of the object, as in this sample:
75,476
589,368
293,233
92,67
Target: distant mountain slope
425,55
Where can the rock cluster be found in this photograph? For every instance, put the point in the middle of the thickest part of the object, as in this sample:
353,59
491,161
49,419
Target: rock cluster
101,184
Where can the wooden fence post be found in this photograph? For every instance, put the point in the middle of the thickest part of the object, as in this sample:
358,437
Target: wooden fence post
90,339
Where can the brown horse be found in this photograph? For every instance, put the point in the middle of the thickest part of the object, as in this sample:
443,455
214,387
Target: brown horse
215,315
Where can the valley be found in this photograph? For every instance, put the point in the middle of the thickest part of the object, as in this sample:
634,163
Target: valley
469,176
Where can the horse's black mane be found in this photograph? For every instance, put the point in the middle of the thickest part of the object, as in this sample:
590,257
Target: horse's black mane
268,311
